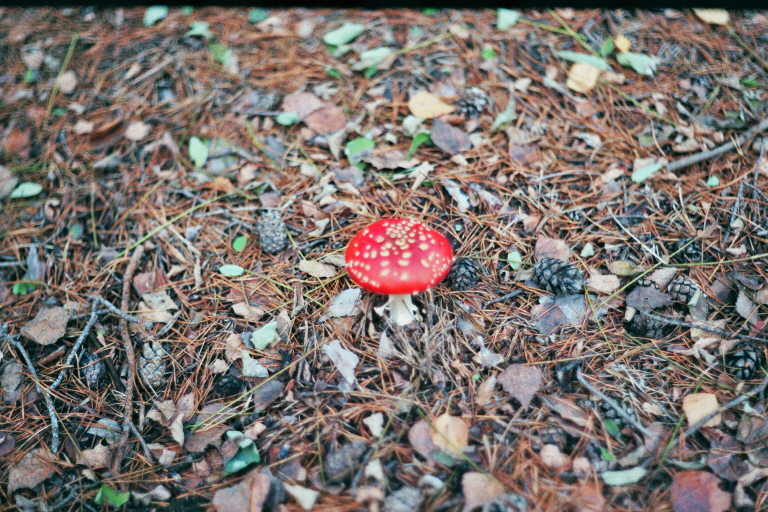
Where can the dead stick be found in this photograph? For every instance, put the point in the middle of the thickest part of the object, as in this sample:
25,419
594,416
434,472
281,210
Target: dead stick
713,153
721,332
129,356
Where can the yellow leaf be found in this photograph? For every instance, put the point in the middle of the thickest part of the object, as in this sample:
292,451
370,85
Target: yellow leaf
713,16
426,106
699,405
450,433
622,43
582,77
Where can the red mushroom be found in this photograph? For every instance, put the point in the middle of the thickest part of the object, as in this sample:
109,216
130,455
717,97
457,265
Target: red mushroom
398,257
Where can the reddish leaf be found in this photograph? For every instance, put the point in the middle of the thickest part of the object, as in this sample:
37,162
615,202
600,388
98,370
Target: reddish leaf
522,382
697,491
448,138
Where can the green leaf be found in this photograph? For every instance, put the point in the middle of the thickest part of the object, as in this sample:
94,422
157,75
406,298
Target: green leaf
29,76
76,231
506,18
231,270
264,335
344,34
645,172
198,151
514,259
372,58
583,57
488,54
187,10
154,14
23,288
332,72
506,117
625,477
199,29
419,139
58,111
111,497
607,47
610,426
238,244
749,82
641,63
430,11
287,118
26,189
221,53
257,15
246,455
713,181
369,72
356,148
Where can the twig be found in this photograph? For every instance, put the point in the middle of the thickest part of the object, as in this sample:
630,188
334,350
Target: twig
130,357
721,332
503,298
143,443
63,69
76,347
616,407
46,396
715,152
113,309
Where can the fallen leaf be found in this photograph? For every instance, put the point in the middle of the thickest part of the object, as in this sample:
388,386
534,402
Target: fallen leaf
346,303
301,103
420,437
97,457
248,312
201,439
746,308
588,497
48,326
622,43
343,462
326,119
375,424
344,360
479,489
624,268
566,409
389,159
582,77
555,312
159,301
83,127
698,405
32,469
606,284
458,195
317,269
305,497
67,82
552,457
427,106
646,298
624,477
11,376
522,382
247,496
713,16
698,491
551,248
449,138
450,433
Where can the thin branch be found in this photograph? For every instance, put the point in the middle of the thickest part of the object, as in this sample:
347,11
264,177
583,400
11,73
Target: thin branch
613,405
707,328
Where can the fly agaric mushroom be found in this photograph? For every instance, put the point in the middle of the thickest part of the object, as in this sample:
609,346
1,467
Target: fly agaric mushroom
398,257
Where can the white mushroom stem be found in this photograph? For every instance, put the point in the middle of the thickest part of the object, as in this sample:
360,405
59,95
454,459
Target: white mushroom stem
401,310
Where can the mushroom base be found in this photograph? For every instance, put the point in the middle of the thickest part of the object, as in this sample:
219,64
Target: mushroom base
402,311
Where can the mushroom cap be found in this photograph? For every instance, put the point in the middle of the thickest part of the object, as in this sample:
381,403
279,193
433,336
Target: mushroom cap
398,256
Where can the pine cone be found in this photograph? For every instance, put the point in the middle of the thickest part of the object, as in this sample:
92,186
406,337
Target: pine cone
645,282
645,327
682,289
463,275
152,364
746,361
557,276
691,253
272,235
473,102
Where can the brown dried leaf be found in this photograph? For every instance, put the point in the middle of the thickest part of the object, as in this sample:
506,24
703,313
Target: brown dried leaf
136,131
602,284
746,308
588,497
317,269
582,77
449,138
723,457
522,382
420,438
36,466
697,491
48,326
450,433
302,103
389,159
426,106
698,405
265,393
551,248
247,496
624,268
326,119
97,457
566,409
479,490
201,439
646,298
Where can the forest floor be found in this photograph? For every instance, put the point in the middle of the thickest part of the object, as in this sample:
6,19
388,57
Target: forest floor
177,191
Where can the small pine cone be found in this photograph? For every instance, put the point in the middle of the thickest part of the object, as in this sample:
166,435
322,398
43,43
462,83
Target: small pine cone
152,364
609,413
690,253
645,327
554,434
93,370
746,361
557,276
272,236
682,289
463,275
645,282
473,102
